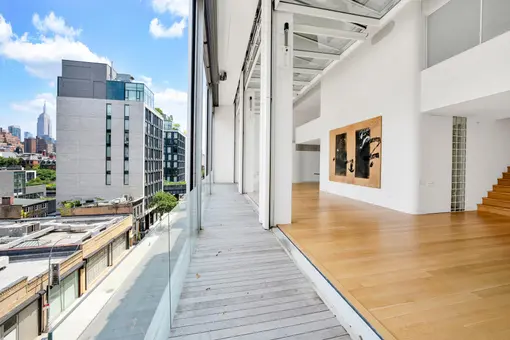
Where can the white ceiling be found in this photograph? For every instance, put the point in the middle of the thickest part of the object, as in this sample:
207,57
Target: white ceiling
235,21
496,106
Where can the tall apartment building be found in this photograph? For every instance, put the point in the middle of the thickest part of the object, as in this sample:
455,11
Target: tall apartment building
174,160
15,130
110,136
30,145
44,145
44,124
27,134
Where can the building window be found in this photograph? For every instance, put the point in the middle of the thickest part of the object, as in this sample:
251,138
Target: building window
108,179
126,179
108,151
126,165
108,110
126,111
108,165
126,124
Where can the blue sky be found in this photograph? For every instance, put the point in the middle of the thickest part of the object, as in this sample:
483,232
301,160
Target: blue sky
146,38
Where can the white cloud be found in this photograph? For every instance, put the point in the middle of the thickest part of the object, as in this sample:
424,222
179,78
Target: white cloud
54,24
42,55
158,30
27,111
146,80
173,102
5,30
178,8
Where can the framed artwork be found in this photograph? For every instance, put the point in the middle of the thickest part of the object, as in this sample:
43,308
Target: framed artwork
356,153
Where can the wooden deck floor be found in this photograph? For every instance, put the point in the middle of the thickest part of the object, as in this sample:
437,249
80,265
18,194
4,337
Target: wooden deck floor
242,285
440,276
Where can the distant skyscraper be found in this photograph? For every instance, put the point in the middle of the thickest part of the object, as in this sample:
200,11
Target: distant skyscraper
15,131
28,135
44,124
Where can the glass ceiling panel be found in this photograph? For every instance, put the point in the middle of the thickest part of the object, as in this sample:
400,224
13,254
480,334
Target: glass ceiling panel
314,43
311,63
368,8
300,19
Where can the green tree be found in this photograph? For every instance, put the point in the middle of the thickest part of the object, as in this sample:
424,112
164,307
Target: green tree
176,126
47,175
163,202
35,181
8,161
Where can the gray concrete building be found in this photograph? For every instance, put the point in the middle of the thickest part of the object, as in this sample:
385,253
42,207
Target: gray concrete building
12,183
110,136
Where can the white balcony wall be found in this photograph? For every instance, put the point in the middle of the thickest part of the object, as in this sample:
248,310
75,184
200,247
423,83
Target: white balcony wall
309,131
223,144
470,79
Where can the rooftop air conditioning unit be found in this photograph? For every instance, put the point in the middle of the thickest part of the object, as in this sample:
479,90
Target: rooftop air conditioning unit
4,261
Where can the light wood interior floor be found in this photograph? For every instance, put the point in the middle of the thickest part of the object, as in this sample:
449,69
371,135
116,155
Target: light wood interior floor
439,276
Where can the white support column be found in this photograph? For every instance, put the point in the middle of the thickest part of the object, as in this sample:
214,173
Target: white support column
265,113
282,119
240,141
249,141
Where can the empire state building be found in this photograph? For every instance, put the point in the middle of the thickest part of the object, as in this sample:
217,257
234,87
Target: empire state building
44,124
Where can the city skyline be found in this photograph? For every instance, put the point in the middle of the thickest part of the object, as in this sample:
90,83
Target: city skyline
56,31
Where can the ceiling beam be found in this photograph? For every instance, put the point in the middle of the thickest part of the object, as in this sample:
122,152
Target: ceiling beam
316,55
326,14
313,41
300,82
303,70
329,32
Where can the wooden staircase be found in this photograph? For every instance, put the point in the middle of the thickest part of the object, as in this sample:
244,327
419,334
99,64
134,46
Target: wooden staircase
498,200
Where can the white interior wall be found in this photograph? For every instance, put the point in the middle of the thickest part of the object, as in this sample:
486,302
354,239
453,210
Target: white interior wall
305,165
223,144
237,150
487,157
381,78
435,164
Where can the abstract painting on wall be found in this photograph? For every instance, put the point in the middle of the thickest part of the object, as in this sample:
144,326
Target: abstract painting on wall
355,153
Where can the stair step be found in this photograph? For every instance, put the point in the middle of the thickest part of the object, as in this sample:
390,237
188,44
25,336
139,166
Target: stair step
504,196
501,188
496,203
502,181
506,175
493,209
